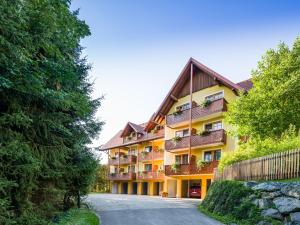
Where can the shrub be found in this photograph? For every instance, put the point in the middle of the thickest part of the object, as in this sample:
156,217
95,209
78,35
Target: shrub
231,199
254,148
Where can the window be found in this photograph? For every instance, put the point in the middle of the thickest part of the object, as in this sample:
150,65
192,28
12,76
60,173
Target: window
215,96
148,148
208,156
132,151
213,126
217,155
131,168
183,107
182,159
182,133
185,159
148,167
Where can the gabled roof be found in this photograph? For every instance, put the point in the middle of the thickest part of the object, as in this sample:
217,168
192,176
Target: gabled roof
132,126
183,76
117,140
246,84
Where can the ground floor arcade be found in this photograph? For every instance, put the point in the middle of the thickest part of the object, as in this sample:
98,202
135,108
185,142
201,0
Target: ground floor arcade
177,186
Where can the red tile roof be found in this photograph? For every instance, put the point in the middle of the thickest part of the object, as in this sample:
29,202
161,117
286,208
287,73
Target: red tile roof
246,84
117,140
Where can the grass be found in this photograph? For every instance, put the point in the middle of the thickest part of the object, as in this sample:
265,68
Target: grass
79,217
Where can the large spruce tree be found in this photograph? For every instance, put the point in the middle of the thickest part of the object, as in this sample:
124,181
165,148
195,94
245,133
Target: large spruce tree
47,115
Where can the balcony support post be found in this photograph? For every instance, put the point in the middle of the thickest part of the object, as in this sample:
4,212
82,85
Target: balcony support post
190,116
118,160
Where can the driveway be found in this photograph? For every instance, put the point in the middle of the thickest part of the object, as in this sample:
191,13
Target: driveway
115,209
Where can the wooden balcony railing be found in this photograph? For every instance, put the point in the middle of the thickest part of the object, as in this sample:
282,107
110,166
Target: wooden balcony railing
145,136
190,169
128,159
218,136
147,156
122,176
197,112
151,175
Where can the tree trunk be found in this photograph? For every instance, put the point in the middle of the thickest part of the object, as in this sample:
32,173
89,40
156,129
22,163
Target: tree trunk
78,199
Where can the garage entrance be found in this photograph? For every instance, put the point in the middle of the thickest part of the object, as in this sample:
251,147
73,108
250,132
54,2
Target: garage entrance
134,188
191,188
172,188
156,188
125,188
144,188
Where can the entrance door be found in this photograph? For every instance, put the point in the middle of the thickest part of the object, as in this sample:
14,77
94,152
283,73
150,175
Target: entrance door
125,188
184,188
134,188
144,188
156,188
114,189
172,188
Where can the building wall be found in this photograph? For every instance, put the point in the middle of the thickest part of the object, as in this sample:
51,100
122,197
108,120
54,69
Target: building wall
169,158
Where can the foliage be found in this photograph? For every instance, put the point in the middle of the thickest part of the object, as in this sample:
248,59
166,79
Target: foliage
205,103
273,104
47,114
174,167
268,115
101,183
230,199
201,163
79,217
205,133
176,139
254,148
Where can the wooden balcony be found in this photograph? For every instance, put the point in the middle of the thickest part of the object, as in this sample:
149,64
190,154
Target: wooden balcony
122,176
151,175
198,112
155,155
128,159
214,137
145,137
192,169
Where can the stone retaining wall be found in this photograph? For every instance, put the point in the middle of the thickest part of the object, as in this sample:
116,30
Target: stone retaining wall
277,200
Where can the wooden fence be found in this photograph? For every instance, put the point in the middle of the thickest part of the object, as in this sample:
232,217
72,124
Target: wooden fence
284,165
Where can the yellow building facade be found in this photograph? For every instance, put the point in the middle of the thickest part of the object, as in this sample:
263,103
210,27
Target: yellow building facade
174,154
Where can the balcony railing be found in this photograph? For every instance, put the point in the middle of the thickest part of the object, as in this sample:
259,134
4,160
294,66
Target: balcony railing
147,156
191,169
122,176
129,159
151,175
145,136
218,136
197,112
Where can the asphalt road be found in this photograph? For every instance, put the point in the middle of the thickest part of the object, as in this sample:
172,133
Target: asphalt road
115,209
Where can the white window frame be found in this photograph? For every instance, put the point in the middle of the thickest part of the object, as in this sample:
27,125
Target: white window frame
182,132
213,123
187,103
222,91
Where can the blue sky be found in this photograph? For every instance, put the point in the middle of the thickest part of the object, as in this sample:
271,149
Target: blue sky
138,47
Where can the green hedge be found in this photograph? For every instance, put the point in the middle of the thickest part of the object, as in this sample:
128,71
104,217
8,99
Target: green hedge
229,201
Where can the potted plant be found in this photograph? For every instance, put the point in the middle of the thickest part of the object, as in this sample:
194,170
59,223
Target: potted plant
113,157
206,103
177,112
112,174
125,156
205,133
176,139
201,163
160,171
174,167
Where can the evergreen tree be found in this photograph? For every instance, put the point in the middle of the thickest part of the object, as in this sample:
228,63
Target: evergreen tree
47,115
